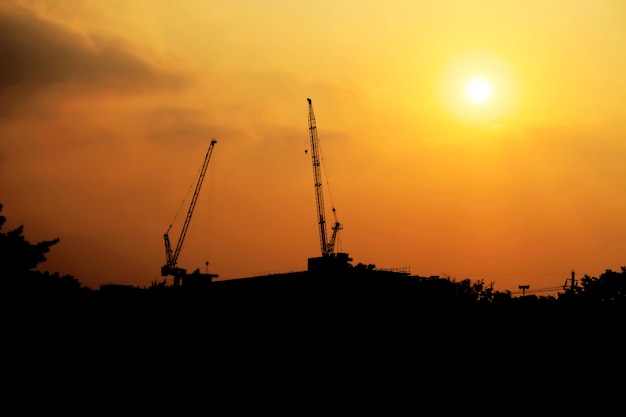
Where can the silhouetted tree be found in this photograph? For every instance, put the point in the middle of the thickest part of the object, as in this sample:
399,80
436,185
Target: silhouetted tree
20,258
609,287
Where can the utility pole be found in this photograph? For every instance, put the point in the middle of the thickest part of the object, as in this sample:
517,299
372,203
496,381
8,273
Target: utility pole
524,288
572,281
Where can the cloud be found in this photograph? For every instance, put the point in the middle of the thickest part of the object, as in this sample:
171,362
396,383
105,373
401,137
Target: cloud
38,55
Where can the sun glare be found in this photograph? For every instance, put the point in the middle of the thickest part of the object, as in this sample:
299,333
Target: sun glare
478,90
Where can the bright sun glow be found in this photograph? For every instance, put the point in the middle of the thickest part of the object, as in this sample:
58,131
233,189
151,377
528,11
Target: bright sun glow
478,90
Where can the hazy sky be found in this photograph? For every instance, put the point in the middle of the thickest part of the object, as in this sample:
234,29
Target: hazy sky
107,109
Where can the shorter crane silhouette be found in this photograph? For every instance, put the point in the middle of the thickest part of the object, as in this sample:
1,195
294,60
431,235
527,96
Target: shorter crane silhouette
171,256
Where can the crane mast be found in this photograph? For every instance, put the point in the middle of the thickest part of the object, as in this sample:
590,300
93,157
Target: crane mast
327,245
171,256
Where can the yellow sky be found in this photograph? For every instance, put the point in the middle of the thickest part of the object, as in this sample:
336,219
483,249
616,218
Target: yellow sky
107,110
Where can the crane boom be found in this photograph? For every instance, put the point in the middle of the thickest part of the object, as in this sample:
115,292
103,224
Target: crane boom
171,256
327,246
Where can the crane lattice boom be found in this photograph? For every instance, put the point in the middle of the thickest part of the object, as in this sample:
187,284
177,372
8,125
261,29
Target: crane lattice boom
170,268
327,246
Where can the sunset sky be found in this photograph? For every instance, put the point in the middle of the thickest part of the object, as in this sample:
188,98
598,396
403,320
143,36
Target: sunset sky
107,109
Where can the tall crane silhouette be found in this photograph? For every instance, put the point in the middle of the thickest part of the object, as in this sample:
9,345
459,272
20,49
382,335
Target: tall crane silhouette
327,245
171,256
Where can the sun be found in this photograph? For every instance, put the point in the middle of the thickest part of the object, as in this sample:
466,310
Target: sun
478,90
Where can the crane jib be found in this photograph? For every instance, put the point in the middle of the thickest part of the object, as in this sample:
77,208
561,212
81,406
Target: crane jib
172,256
327,246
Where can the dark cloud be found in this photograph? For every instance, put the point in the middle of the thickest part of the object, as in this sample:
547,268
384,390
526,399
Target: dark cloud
36,54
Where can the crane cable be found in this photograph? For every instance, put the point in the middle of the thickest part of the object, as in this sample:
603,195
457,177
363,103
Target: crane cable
192,186
337,240
182,203
209,224
330,196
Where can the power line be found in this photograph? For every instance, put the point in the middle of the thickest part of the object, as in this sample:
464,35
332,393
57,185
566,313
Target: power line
547,289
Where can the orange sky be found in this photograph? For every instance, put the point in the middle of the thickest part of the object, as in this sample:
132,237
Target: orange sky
107,109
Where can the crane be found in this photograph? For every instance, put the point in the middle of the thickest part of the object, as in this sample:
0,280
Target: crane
171,256
327,245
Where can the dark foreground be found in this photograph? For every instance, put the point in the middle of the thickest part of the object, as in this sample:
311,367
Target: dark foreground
310,344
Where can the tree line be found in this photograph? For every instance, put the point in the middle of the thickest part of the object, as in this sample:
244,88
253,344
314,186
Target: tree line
20,262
